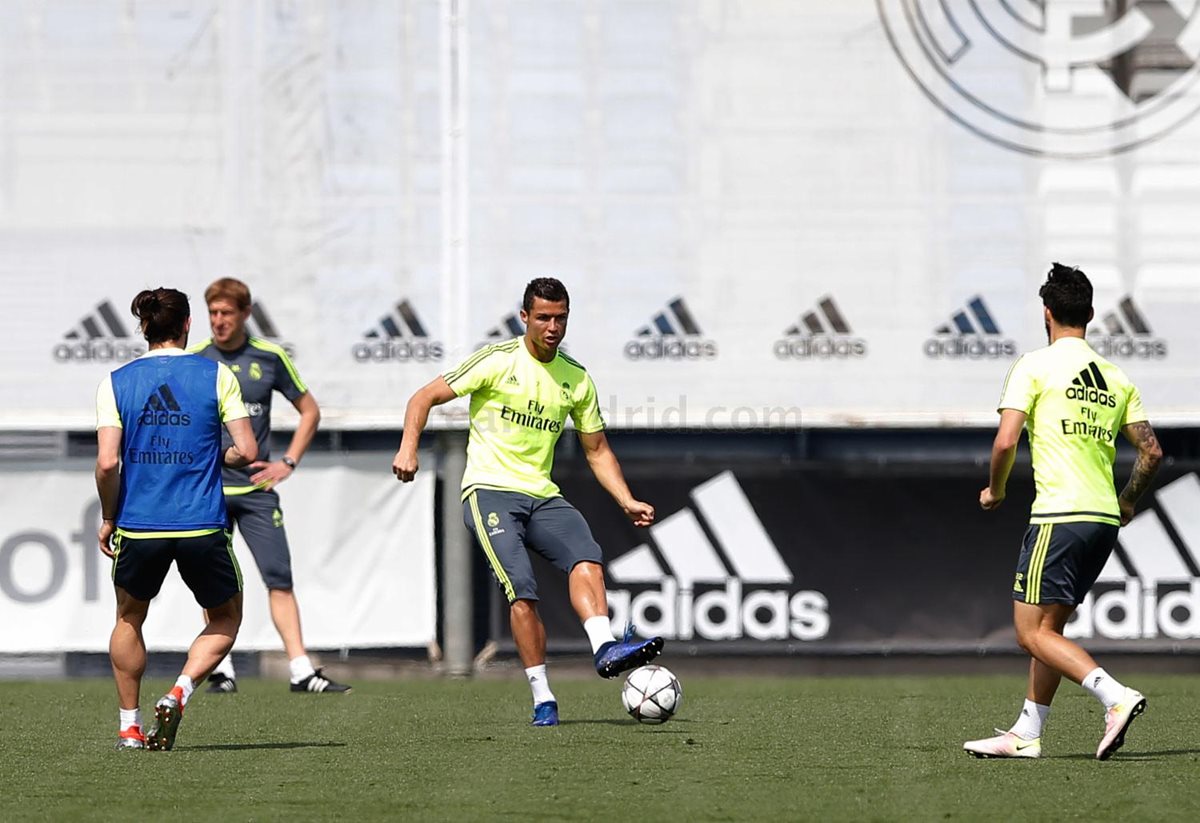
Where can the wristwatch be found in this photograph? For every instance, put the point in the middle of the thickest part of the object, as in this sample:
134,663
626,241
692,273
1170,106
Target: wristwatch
289,462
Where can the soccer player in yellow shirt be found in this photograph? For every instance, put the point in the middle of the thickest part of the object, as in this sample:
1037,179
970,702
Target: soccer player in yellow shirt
522,391
1073,403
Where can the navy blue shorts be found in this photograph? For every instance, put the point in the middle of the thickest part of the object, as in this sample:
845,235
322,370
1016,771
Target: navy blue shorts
508,524
260,521
206,563
1060,562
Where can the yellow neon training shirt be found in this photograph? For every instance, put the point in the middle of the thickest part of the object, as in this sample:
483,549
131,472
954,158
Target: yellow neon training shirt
1076,404
518,407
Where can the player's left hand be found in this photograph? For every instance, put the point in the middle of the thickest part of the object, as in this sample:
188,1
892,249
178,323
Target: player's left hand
269,474
104,535
989,501
642,514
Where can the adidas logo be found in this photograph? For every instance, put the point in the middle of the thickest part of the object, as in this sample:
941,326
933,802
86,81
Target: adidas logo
1150,587
509,327
1089,386
671,334
821,334
162,409
1124,333
400,336
99,337
705,593
972,334
259,324
512,381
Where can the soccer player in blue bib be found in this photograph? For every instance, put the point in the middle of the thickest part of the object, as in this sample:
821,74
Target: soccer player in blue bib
1074,404
522,392
158,474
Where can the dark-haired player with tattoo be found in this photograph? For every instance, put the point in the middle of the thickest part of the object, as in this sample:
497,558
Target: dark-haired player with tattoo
1073,403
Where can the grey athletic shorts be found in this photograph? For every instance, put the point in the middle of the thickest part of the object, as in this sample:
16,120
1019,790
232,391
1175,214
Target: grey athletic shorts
259,519
506,524
1060,562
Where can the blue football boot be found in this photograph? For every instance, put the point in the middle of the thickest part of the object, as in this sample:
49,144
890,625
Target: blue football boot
545,714
618,656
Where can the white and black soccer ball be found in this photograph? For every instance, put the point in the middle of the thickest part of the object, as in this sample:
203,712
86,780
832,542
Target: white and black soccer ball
652,694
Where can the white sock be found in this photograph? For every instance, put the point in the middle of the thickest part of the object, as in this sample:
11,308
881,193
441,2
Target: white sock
1031,720
1104,687
301,668
599,631
185,683
130,718
539,684
225,667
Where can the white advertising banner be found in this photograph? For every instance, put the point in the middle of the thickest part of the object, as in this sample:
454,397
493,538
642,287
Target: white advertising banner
769,214
362,558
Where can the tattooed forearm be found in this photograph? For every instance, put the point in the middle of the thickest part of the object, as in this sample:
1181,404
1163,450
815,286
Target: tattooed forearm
1146,465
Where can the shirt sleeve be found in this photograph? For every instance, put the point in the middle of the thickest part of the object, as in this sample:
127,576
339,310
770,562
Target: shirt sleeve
1134,412
106,405
474,373
586,413
1020,388
229,395
287,379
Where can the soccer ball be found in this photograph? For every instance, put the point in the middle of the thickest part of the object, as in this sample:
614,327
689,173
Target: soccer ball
652,694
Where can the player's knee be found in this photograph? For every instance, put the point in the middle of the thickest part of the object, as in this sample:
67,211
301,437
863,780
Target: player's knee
588,569
522,608
1029,638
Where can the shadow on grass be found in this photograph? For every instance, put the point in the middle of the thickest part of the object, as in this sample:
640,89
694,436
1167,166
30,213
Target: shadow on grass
1129,755
623,722
239,747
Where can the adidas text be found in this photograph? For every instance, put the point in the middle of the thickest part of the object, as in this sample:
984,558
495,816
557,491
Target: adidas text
1129,347
164,418
1102,398
820,347
722,614
670,348
1134,613
972,348
99,351
384,351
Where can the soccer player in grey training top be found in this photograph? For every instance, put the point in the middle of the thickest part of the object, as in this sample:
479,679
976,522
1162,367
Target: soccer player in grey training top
263,368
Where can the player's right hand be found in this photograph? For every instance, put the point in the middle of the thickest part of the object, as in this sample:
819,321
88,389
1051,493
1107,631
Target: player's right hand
989,501
404,466
104,535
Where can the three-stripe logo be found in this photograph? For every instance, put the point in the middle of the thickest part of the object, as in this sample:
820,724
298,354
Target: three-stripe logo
672,334
399,336
1150,587
687,587
509,326
260,324
99,337
162,409
971,333
1125,333
821,333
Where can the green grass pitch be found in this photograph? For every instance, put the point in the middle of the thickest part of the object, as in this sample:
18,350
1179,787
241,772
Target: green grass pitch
742,748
